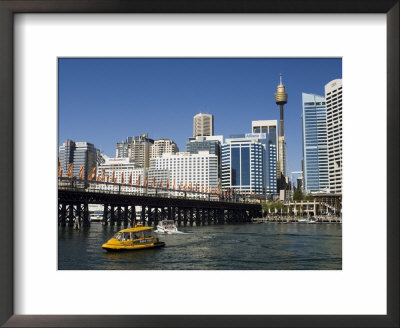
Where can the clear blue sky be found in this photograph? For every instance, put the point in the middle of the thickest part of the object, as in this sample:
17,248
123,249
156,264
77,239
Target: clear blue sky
103,101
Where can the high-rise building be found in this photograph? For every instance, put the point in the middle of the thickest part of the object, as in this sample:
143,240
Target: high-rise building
203,125
299,184
185,169
281,99
66,154
122,149
136,148
211,144
243,165
333,96
162,146
267,132
78,154
315,154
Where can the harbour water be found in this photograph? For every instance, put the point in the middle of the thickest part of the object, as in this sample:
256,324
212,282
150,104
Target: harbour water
267,246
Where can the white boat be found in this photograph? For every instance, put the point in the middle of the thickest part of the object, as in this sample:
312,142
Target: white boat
302,221
96,212
167,226
96,216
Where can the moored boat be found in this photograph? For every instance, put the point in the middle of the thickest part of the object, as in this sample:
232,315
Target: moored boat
131,239
96,216
167,226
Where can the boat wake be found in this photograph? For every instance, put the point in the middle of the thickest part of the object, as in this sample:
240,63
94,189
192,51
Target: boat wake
172,232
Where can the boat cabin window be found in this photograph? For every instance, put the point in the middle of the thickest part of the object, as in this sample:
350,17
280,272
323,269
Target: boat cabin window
122,236
118,236
126,236
142,234
168,222
148,233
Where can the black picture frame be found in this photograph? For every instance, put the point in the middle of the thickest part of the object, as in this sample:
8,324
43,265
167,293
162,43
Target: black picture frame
8,200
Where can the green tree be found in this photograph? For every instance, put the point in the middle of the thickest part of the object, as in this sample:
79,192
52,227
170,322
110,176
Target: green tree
298,195
309,197
271,206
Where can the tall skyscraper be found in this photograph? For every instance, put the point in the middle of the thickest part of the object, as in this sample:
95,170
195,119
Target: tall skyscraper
281,99
66,154
162,146
333,95
203,125
267,132
243,165
136,148
78,154
315,153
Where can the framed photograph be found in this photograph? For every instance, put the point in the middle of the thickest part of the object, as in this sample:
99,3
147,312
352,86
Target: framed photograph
202,190
187,136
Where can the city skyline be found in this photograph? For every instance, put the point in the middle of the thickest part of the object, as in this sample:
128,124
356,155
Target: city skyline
104,101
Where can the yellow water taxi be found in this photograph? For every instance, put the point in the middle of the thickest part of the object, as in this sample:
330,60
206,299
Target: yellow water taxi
131,239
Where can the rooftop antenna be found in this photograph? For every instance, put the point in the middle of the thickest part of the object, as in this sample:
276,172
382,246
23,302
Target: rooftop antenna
280,78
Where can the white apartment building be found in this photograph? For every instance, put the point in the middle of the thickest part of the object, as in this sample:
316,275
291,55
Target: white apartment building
157,177
184,168
162,146
119,168
203,125
333,96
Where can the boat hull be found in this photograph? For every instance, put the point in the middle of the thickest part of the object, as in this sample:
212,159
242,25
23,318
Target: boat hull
133,248
167,231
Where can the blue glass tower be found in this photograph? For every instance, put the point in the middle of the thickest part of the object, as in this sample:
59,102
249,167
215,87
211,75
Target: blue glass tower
79,154
315,153
243,162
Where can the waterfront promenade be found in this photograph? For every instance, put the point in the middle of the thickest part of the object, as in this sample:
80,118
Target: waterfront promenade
298,219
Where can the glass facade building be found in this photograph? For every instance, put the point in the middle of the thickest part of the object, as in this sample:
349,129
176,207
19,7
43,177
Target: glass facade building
66,155
315,154
212,146
77,153
243,163
267,132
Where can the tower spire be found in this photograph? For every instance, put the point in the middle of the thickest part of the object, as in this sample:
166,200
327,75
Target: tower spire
280,78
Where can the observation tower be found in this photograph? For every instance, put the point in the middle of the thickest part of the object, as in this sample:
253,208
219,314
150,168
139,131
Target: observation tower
281,99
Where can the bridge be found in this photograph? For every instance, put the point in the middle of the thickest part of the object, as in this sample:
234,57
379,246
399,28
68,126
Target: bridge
121,201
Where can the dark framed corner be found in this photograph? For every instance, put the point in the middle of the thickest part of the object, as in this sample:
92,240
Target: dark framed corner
7,198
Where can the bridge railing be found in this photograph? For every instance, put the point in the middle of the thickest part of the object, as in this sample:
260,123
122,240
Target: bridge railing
75,184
